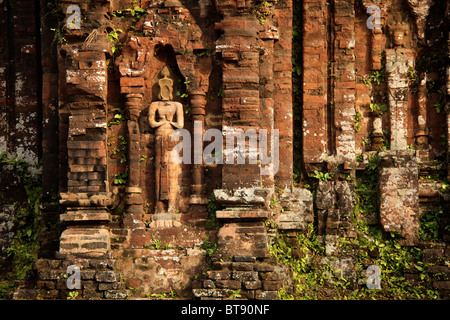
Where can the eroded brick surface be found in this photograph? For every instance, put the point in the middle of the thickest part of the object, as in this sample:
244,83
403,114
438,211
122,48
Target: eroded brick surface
79,99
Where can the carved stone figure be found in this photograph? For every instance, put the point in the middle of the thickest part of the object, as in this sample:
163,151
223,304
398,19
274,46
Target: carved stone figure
135,64
399,30
420,9
165,116
422,130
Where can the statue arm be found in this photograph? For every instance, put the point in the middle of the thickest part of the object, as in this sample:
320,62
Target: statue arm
152,117
180,117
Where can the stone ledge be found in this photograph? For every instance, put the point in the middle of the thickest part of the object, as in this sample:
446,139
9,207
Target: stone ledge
242,214
243,196
83,199
85,216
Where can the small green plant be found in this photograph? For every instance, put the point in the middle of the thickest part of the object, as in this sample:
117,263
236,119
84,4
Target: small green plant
377,76
364,141
356,120
27,216
157,244
72,295
209,247
58,36
119,117
236,294
274,202
366,81
262,12
211,208
439,105
207,52
322,176
123,146
429,225
378,108
120,178
113,36
163,295
108,140
412,75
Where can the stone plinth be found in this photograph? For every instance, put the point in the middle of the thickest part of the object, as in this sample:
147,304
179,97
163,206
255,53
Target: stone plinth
243,197
399,194
85,242
297,210
87,234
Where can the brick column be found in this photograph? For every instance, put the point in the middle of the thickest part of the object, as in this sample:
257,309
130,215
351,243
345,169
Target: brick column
447,108
399,194
315,55
282,94
133,88
87,197
198,104
398,62
84,89
241,101
343,80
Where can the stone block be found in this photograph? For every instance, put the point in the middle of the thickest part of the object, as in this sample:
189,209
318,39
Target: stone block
228,284
272,285
242,214
252,285
242,266
107,276
244,259
85,242
441,285
116,294
86,215
243,196
240,239
245,275
266,295
432,255
214,293
111,286
399,207
264,267
218,274
91,293
208,284
87,274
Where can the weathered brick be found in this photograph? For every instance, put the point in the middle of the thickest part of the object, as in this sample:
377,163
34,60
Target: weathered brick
242,266
432,255
266,295
228,284
245,275
106,276
111,286
215,293
87,274
218,274
252,285
272,285
117,294
441,285
208,284
263,267
244,259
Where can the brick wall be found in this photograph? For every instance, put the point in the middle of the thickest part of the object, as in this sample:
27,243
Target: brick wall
231,62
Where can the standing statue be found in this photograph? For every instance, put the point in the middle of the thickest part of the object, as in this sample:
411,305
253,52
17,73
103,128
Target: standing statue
166,116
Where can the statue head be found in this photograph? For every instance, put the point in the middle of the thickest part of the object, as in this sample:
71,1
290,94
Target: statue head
399,31
165,85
